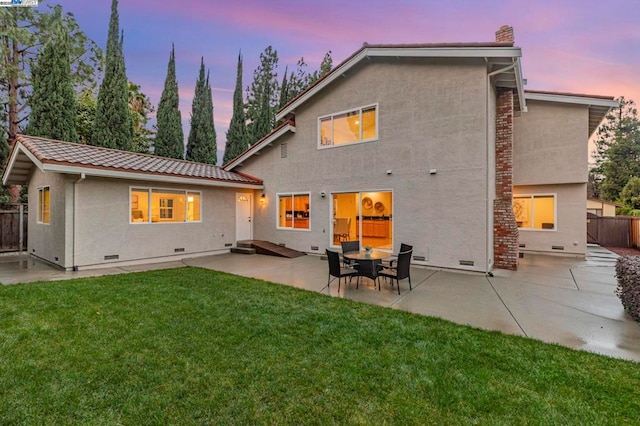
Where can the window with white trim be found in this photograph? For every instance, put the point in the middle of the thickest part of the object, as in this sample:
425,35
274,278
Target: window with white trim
346,127
164,205
293,211
44,205
535,211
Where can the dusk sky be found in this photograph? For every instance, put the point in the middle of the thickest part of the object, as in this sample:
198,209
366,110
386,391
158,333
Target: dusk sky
579,46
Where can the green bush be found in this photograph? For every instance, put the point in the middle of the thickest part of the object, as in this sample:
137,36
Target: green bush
628,290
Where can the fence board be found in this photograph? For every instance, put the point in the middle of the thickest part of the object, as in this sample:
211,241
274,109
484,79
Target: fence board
610,231
10,230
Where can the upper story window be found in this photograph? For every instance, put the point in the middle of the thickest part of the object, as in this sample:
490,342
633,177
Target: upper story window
358,125
535,211
44,205
164,205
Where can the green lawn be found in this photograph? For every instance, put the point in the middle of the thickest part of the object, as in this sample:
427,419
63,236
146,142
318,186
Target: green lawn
192,346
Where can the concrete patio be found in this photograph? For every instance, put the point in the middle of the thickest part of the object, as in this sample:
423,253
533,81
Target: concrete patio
560,300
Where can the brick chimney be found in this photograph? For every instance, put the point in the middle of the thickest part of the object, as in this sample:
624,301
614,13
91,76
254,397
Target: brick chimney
505,34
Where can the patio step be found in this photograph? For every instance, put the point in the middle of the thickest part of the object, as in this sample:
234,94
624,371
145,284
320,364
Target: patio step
268,248
243,250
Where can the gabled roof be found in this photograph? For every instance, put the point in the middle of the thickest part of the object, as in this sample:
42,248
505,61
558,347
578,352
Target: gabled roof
598,105
74,158
503,59
288,126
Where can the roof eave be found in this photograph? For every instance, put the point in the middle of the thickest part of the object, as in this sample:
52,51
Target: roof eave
266,141
8,177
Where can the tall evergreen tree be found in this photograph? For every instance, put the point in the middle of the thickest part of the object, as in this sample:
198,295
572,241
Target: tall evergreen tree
113,127
201,143
169,140
53,102
284,90
262,99
237,140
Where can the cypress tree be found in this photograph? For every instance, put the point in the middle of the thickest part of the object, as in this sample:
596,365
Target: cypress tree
113,127
237,134
53,102
169,140
284,90
201,144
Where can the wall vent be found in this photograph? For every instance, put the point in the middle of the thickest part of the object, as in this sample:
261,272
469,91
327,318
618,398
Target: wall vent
283,150
466,263
557,247
282,244
179,250
521,255
419,258
56,258
112,257
522,245
228,244
314,247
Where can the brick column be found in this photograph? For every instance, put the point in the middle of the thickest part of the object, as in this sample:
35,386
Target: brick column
505,229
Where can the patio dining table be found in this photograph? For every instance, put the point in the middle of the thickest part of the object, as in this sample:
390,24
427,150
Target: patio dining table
367,262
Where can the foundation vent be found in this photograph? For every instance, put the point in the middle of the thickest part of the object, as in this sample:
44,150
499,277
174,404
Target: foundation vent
283,150
112,257
466,263
314,247
282,244
557,247
419,258
178,250
228,244
522,245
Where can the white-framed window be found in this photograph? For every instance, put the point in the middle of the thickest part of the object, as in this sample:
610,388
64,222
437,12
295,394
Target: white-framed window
347,127
157,205
44,205
293,211
536,211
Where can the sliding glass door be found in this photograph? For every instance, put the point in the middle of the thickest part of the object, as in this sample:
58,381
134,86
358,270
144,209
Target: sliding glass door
363,216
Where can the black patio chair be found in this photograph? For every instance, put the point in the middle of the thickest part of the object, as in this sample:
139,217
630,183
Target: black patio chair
394,257
401,271
337,271
348,247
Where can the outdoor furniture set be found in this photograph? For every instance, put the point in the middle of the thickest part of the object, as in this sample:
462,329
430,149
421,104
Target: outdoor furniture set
370,264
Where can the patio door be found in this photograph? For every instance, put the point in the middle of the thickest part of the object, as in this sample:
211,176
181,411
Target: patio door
244,224
363,216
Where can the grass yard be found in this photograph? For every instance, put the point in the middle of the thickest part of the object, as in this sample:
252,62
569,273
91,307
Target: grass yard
192,346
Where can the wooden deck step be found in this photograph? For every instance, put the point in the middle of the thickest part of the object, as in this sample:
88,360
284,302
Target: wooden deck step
243,250
271,249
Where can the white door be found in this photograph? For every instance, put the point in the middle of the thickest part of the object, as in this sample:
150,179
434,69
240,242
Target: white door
244,227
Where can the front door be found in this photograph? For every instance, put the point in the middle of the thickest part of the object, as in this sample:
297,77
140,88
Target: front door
244,227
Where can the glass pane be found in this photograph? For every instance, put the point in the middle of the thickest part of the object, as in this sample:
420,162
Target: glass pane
345,217
285,211
168,206
377,223
193,206
44,205
301,211
369,123
544,215
139,205
522,211
346,128
326,137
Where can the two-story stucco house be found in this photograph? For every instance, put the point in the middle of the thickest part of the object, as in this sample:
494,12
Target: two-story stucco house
435,145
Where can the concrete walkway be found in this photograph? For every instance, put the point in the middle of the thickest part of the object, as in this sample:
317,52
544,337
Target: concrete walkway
554,299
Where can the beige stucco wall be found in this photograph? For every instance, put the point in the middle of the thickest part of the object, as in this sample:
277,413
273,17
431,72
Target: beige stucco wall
551,144
103,228
47,241
571,229
431,116
608,210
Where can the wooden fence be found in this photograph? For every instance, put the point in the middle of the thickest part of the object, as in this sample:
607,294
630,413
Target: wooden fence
619,231
13,228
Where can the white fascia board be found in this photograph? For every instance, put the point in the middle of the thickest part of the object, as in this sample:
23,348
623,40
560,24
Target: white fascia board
406,52
568,99
118,174
258,147
14,156
520,85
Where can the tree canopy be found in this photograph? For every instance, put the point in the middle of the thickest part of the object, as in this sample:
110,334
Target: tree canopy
169,141
262,96
201,144
237,136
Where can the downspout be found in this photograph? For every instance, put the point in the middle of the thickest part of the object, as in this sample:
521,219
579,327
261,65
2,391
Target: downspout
489,208
75,198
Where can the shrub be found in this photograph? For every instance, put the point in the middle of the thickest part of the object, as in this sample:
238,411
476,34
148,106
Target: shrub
628,290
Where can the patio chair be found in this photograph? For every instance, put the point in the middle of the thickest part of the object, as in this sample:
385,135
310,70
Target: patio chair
348,247
394,257
337,271
399,272
341,228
